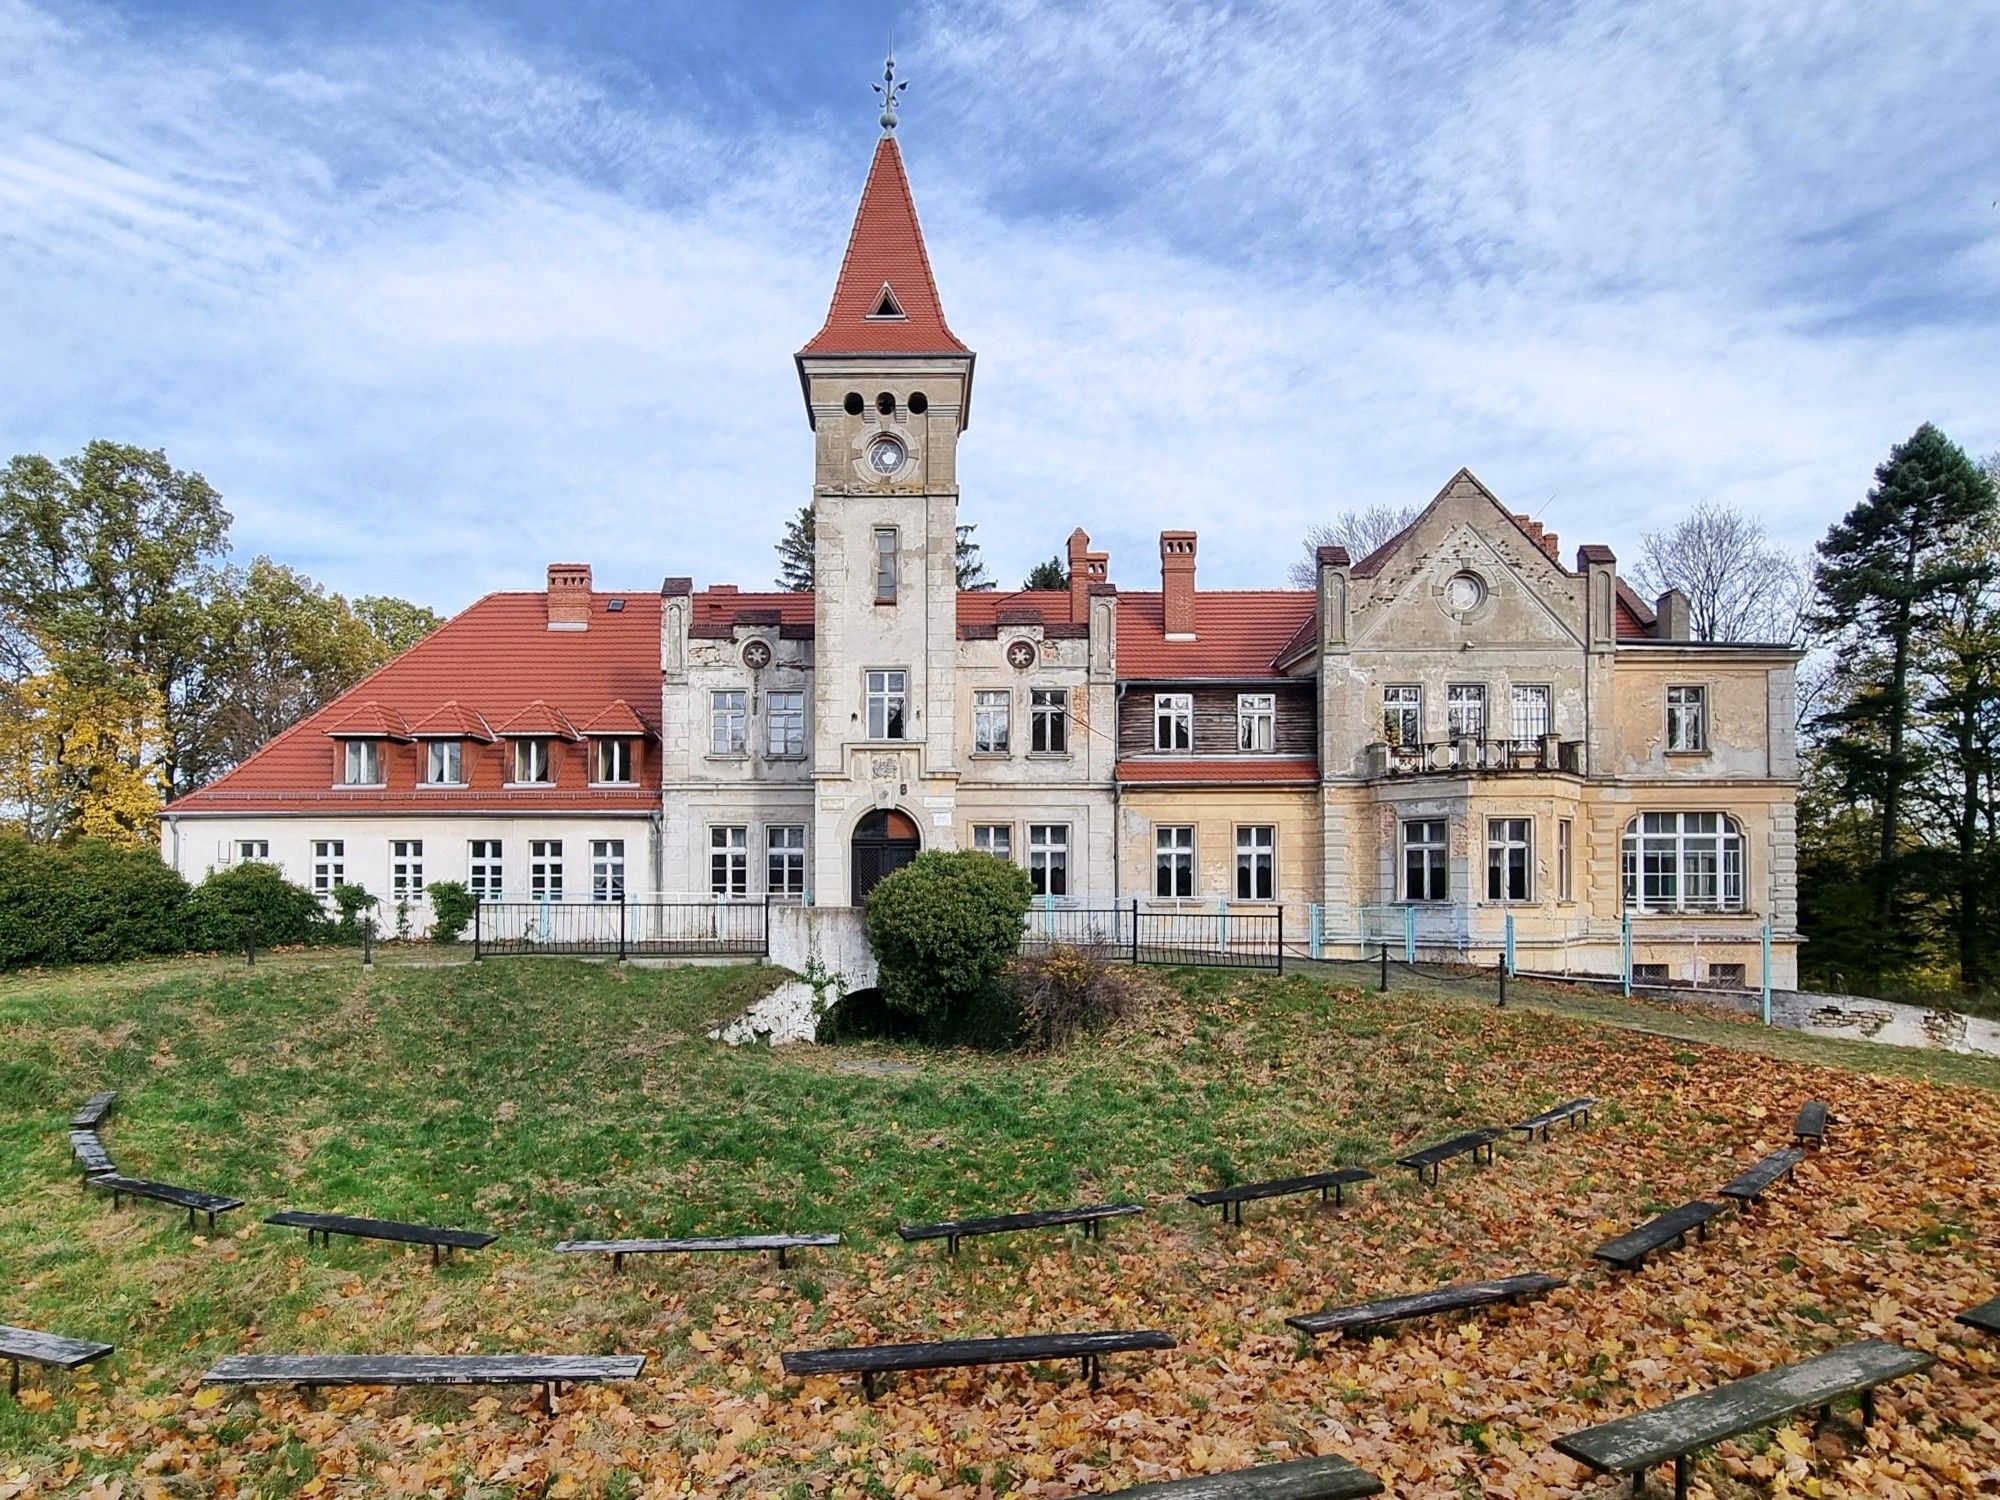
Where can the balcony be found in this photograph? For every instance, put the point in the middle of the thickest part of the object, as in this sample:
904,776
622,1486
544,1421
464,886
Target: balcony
1467,755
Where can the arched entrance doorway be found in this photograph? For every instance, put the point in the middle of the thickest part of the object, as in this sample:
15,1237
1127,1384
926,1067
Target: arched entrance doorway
883,843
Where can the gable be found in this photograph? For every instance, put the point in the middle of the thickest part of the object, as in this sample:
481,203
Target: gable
1465,547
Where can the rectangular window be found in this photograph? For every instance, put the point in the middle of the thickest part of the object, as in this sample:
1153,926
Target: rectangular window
406,868
996,839
1507,851
1687,719
729,862
444,763
1257,863
1425,854
885,566
1256,723
1048,721
253,848
614,762
363,764
785,724
785,859
1683,862
1651,974
1531,716
1048,858
1173,861
728,721
888,697
1727,976
1465,711
992,722
1565,854
1403,714
545,870
1173,721
531,762
483,873
607,869
329,864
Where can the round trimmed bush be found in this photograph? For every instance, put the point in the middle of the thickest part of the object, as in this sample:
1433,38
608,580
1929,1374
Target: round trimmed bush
944,928
225,904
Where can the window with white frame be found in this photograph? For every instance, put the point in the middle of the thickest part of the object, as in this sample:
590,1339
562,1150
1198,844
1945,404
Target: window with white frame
406,868
1683,861
614,762
485,877
785,859
329,865
1565,855
888,696
1465,711
885,566
1173,721
996,839
1256,723
992,722
1687,719
1257,862
729,861
444,763
1426,860
728,721
253,849
531,762
362,764
1531,714
1403,714
545,869
785,724
1173,860
1048,721
607,869
1048,858
1508,859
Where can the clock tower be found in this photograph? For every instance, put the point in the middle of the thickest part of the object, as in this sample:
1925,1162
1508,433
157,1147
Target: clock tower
888,387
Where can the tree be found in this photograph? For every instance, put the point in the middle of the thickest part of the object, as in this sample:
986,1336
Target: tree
1048,575
396,624
1739,587
972,573
1359,531
78,748
795,553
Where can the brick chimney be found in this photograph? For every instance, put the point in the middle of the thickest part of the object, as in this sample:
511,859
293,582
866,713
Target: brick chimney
569,596
1548,541
1079,576
1177,584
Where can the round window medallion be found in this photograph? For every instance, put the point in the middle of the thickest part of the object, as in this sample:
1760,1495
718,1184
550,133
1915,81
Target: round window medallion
757,655
1465,593
886,455
1020,655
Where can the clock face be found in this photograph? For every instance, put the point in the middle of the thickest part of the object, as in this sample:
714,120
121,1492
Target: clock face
885,455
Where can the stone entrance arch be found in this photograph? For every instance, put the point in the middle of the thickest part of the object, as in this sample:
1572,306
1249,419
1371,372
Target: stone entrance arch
884,841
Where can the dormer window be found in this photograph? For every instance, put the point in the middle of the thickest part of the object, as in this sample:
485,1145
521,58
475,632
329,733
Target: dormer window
363,763
531,762
444,763
614,762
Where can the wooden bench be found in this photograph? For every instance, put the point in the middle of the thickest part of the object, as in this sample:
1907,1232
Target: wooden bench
325,1226
550,1371
619,1249
1629,1251
88,1149
1809,1129
1577,1111
1432,1158
1750,1185
194,1200
1328,1478
1423,1304
1279,1187
90,1114
1985,1317
1091,1216
872,1360
19,1346
1680,1429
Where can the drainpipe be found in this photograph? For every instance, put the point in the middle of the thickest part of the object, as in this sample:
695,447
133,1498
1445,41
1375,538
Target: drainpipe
1117,802
656,832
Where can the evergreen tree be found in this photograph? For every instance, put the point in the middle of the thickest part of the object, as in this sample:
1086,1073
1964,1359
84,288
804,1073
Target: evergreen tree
972,573
1048,575
795,553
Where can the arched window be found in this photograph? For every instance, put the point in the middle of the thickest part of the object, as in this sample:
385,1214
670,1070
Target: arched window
1683,861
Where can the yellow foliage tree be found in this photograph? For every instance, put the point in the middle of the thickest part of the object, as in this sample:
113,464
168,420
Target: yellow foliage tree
79,755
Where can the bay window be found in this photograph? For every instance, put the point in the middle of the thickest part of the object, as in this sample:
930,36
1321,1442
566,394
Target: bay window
1683,861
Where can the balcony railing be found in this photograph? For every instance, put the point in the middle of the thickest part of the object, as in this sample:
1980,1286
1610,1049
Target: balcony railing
1457,757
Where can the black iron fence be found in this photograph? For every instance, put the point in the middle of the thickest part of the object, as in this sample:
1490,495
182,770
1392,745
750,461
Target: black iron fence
1214,939
622,929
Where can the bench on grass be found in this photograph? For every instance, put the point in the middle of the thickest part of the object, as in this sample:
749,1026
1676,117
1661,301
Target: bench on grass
88,1149
1279,1187
1577,1111
870,1361
1750,1185
19,1346
1091,1216
1809,1129
90,1114
325,1226
1680,1429
1432,1158
1985,1317
550,1371
194,1200
1443,1299
1328,1478
1629,1251
619,1249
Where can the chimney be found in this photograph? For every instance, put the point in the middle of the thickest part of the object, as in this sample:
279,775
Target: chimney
1671,619
569,596
1548,541
1079,576
1177,584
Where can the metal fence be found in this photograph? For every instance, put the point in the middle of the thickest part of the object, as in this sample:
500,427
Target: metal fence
622,929
1223,938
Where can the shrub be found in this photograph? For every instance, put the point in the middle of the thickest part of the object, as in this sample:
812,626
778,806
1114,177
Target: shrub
354,902
224,905
944,928
87,902
451,906
1067,992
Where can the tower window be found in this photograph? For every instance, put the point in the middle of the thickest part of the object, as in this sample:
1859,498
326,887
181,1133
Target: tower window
885,565
886,404
886,305
854,404
919,403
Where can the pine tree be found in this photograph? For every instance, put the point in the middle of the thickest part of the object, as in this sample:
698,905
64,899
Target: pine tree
972,573
795,553
1048,575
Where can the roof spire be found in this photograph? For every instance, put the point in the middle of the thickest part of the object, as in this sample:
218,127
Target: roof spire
888,88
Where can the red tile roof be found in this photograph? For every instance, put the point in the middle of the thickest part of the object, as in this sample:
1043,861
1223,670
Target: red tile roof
369,720
982,613
452,721
886,249
537,721
1237,634
1219,769
613,721
1635,617
719,610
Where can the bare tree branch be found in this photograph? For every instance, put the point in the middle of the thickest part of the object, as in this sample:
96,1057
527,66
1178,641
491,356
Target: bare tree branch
1359,531
1739,585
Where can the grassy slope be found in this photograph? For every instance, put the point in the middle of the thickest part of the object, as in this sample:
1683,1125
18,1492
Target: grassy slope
544,1099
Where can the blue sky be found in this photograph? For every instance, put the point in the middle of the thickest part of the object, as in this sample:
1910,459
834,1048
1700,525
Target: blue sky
436,294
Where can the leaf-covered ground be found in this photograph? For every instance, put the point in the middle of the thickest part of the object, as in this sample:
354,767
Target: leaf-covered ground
543,1100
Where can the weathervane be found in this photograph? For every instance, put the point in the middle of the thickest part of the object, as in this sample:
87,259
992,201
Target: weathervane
888,88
